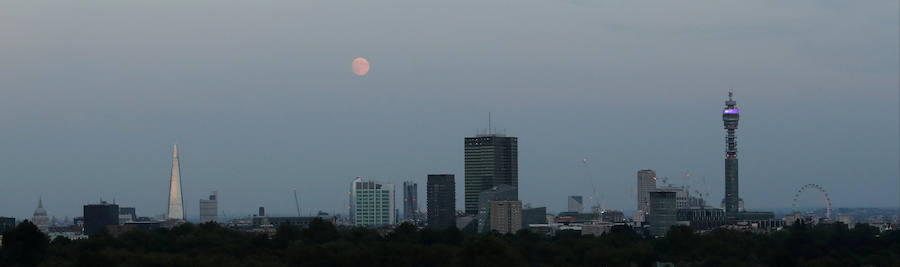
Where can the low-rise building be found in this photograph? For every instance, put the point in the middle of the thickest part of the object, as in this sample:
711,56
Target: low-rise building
506,216
702,218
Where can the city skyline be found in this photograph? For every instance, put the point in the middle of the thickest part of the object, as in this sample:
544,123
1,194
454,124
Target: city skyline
175,177
91,108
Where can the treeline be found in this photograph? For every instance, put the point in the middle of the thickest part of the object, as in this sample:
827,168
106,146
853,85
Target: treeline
322,244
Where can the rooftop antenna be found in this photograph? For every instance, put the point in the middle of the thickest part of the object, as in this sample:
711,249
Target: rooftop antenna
489,123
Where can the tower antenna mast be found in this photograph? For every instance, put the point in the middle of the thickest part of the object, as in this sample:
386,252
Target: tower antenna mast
489,123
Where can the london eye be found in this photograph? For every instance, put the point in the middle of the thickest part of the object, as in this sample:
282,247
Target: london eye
812,188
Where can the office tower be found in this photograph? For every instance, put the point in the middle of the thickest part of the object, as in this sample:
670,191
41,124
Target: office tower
576,204
662,212
410,200
262,212
441,200
176,208
682,196
534,216
209,208
490,160
506,216
352,200
98,216
730,116
496,193
39,218
646,182
127,214
374,204
7,224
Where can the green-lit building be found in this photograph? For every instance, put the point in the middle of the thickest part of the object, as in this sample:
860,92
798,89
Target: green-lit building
374,204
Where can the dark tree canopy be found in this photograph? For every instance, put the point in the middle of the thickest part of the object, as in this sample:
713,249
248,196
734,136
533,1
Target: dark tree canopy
322,243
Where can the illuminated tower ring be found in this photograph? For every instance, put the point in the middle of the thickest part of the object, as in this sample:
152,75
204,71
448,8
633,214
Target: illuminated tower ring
817,188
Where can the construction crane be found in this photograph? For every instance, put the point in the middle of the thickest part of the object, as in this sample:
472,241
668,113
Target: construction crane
296,200
592,199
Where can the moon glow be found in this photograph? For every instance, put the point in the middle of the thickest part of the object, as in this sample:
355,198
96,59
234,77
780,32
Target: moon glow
360,66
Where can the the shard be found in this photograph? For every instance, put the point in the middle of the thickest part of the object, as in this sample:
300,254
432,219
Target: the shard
176,208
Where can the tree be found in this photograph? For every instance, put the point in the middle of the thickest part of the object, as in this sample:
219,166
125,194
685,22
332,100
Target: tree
25,245
320,232
286,234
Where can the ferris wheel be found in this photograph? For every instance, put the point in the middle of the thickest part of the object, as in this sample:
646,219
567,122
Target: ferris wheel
813,187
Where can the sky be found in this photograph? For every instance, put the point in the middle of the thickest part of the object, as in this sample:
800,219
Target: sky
260,98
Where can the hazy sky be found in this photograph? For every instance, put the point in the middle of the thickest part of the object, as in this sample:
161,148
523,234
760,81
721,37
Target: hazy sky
260,98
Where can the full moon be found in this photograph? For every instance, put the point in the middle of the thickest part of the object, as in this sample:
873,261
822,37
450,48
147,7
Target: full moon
360,66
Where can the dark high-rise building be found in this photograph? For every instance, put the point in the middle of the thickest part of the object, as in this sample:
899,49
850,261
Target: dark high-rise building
490,160
262,212
441,200
410,200
98,216
662,212
730,117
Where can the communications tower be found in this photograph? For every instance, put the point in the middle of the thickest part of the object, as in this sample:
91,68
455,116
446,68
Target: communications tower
730,117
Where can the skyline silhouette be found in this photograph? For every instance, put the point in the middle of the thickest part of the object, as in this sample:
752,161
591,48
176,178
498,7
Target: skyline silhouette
260,98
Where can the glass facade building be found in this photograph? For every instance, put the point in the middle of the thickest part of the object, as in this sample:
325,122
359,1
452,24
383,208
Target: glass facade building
490,160
441,198
374,204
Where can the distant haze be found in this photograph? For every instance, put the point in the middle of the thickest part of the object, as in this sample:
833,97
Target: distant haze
260,97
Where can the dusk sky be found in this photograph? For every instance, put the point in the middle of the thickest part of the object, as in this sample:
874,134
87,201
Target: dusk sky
260,98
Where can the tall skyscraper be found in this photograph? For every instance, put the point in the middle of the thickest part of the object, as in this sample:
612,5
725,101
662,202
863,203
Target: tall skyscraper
441,200
730,117
646,182
490,160
176,208
374,204
506,216
209,209
576,204
662,212
98,216
410,200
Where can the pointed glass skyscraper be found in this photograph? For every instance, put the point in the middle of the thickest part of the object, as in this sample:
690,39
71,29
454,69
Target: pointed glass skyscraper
176,208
